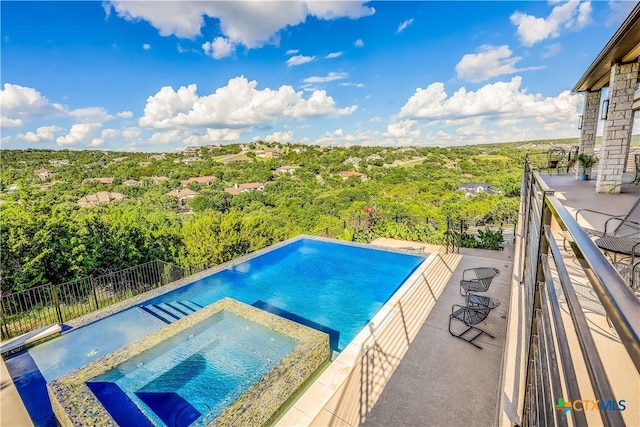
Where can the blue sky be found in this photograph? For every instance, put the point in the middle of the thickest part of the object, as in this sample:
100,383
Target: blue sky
162,75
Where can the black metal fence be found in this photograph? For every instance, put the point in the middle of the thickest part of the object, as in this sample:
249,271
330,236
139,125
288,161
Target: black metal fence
28,310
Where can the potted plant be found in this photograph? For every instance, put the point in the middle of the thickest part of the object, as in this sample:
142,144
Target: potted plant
586,162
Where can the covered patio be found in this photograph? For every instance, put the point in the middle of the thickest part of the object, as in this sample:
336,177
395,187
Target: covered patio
615,69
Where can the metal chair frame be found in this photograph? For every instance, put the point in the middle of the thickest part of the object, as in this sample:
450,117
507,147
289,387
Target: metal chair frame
477,279
476,310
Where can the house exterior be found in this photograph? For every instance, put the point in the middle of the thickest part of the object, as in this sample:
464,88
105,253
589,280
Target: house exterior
106,180
98,198
42,174
355,161
473,189
206,180
157,157
183,194
236,159
286,169
241,188
351,174
48,185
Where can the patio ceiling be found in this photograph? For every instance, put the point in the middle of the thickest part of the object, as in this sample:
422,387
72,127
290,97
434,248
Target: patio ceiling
624,46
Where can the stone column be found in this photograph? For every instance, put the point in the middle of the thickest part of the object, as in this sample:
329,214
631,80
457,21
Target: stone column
616,137
589,125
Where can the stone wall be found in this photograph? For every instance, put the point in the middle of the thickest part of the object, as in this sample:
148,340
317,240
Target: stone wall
617,128
589,125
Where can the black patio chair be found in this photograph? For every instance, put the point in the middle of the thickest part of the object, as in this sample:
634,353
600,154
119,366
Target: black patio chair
554,157
477,279
476,310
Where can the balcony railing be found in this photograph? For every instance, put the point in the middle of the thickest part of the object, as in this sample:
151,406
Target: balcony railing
550,290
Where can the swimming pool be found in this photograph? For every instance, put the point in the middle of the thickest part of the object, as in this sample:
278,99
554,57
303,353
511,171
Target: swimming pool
333,287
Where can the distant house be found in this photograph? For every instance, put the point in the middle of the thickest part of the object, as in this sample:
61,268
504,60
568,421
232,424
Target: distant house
182,194
299,150
355,161
475,188
191,150
158,179
42,174
108,180
144,164
61,162
241,188
236,159
190,160
98,198
131,183
268,153
374,157
350,174
119,159
206,180
157,157
287,169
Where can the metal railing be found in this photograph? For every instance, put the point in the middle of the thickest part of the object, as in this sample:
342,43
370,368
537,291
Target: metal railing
25,311
551,291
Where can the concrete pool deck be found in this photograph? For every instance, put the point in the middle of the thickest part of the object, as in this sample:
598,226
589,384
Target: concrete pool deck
429,397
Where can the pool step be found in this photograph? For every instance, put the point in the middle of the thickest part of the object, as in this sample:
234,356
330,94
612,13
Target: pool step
169,312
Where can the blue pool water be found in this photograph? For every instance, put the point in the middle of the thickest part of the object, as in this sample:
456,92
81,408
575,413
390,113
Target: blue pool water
332,287
200,371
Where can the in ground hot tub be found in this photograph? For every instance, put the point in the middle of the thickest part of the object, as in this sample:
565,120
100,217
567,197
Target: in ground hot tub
226,362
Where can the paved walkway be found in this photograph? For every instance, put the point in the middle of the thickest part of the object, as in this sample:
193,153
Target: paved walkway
443,381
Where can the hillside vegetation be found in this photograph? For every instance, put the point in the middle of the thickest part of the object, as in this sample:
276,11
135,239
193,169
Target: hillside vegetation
406,193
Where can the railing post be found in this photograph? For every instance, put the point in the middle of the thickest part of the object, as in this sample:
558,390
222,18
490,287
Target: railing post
160,268
56,302
94,291
4,329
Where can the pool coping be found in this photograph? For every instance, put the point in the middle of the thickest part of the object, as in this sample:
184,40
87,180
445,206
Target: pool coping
311,407
74,403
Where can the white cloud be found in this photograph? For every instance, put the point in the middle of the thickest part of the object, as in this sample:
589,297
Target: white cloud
146,46
328,78
251,24
219,48
333,55
571,15
43,133
552,50
79,133
359,43
131,133
351,84
238,104
500,100
403,129
489,62
292,52
299,60
280,136
125,114
403,26
619,10
6,122
91,115
19,104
